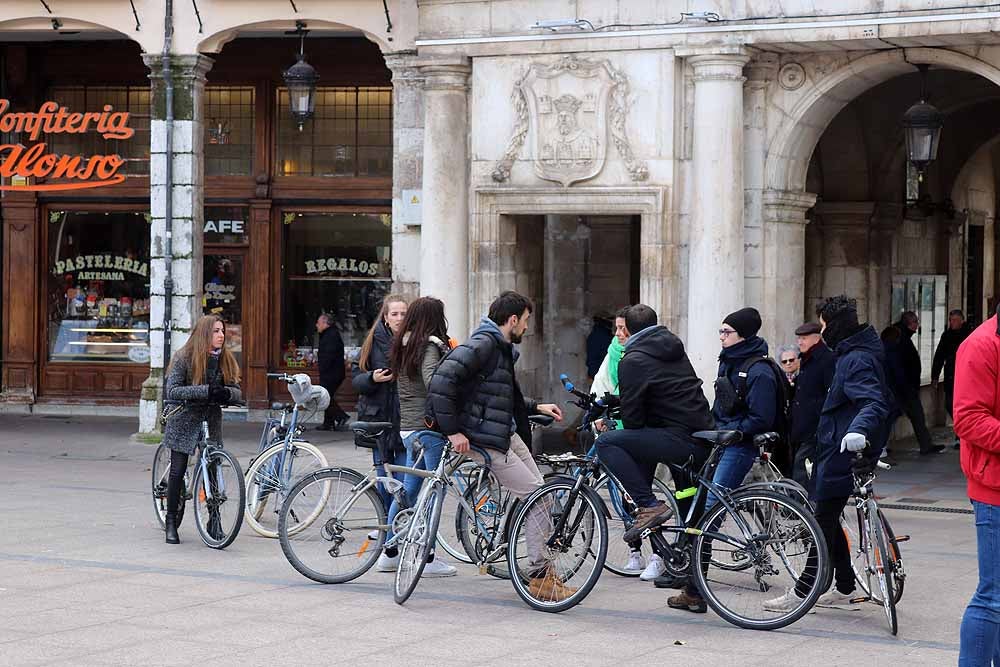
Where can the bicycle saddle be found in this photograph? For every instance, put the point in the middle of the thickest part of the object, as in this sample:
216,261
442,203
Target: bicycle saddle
720,438
372,428
541,420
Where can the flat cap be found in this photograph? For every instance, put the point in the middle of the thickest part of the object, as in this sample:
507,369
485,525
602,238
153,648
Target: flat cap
808,328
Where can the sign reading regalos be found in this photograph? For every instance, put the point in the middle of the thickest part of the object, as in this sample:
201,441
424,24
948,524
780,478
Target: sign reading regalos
18,161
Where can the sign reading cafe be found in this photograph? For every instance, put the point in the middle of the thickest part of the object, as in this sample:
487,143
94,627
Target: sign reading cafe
108,267
19,163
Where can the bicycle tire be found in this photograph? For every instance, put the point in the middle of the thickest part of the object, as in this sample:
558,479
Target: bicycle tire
883,574
419,540
160,473
488,501
208,515
265,487
306,546
620,520
859,559
712,522
589,509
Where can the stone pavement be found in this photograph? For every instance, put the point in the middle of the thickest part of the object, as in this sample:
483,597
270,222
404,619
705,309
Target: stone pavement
85,579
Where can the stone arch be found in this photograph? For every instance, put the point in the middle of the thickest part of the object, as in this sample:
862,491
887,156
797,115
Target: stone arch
95,20
794,142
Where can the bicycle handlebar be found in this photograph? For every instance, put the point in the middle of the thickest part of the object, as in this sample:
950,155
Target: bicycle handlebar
281,376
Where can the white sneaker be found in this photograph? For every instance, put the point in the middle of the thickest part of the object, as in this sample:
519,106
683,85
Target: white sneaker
836,600
654,569
636,563
786,602
387,564
373,535
437,568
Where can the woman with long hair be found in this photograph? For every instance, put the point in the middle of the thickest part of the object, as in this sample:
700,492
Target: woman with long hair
376,385
415,355
202,371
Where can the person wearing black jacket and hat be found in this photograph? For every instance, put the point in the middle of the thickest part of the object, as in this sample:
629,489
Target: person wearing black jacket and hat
903,365
811,386
944,357
331,370
662,404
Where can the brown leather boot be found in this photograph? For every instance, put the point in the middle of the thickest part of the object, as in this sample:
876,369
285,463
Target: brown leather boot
549,588
687,601
647,517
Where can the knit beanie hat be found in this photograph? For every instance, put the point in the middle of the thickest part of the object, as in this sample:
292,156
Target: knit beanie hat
841,317
746,321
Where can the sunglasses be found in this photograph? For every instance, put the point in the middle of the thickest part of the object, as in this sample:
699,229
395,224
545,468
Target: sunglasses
787,361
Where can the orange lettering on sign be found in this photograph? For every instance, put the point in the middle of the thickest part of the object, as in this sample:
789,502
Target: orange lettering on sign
35,162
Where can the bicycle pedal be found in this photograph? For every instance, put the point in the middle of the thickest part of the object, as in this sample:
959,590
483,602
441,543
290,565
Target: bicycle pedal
860,600
903,538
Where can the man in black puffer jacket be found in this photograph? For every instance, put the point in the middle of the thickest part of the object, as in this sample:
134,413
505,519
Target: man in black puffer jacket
473,398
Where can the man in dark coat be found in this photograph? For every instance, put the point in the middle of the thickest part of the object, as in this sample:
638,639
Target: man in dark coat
474,400
853,416
811,386
944,357
903,364
331,370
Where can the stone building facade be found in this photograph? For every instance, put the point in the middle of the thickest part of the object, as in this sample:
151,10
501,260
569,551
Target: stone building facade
697,163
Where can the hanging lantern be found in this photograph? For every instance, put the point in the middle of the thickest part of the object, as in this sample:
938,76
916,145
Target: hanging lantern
922,124
300,79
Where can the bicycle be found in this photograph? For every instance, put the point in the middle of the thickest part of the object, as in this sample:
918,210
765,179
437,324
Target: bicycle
876,554
766,529
342,540
217,474
283,456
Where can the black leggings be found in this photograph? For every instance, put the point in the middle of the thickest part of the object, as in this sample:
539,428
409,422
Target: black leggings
828,517
178,466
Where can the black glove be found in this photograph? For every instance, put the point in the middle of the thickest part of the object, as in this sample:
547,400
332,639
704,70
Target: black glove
218,394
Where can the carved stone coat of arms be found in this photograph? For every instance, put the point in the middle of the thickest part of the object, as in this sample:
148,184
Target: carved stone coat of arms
568,112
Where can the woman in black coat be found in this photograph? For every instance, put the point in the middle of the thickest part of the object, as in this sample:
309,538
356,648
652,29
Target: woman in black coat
372,377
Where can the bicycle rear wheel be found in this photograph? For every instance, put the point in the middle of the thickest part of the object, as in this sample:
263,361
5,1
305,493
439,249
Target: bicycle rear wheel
621,510
416,545
782,546
335,545
883,566
479,532
219,500
270,478
557,546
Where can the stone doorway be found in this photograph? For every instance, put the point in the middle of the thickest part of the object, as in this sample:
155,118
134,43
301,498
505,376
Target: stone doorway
573,267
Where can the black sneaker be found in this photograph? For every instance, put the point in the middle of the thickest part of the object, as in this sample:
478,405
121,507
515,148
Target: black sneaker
667,580
936,449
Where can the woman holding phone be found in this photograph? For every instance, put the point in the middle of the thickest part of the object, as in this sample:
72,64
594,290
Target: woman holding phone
376,385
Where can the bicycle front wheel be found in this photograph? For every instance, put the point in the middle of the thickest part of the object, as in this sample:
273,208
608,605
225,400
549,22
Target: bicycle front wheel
419,540
219,497
621,510
883,567
780,547
558,545
852,524
270,478
341,541
161,471
462,478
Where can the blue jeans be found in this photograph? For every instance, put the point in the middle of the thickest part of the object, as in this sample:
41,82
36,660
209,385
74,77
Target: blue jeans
396,458
733,467
433,445
980,633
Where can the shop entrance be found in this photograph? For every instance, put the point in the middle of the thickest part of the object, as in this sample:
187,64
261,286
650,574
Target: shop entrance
586,268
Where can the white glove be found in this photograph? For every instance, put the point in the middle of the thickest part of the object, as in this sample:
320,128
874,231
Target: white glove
853,442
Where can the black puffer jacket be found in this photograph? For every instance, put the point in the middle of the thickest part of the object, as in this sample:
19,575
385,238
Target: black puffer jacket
811,386
377,401
474,392
658,386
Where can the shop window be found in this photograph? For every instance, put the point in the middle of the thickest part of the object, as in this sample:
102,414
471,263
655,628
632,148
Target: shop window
350,134
229,131
98,276
223,295
338,263
132,99
927,296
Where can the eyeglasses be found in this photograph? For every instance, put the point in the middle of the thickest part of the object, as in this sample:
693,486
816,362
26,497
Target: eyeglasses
787,361
726,332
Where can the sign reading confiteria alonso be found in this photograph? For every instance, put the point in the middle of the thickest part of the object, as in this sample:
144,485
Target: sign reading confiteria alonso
23,162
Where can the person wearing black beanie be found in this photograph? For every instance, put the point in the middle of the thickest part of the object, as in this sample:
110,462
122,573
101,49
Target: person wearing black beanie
853,420
745,321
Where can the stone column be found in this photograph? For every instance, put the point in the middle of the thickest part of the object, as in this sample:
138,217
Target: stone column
444,232
716,260
842,263
407,163
760,72
187,196
784,264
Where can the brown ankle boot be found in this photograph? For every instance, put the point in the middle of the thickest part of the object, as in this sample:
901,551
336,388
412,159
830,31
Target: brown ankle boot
549,588
687,601
647,517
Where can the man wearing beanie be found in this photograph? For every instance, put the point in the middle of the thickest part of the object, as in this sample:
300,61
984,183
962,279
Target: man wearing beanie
854,416
754,413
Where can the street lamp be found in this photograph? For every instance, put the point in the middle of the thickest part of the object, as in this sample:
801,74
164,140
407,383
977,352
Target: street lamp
922,124
300,79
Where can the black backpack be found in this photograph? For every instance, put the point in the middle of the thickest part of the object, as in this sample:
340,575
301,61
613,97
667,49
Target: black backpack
784,397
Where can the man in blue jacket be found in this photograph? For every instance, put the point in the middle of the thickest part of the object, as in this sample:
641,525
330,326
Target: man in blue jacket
854,414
